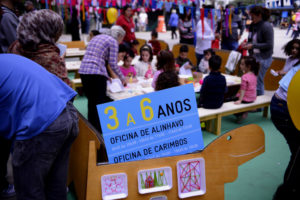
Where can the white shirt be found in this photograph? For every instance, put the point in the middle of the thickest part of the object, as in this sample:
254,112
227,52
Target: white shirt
143,17
204,39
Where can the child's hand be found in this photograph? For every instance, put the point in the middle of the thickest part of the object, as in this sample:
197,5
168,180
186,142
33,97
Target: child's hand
238,102
188,67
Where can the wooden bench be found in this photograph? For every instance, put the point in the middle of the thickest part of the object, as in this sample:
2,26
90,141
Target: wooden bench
76,82
163,45
75,44
230,108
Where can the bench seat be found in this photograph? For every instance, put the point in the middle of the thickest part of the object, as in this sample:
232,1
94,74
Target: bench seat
76,82
230,108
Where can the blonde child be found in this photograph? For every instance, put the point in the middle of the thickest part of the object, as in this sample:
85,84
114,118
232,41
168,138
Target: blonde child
247,94
143,66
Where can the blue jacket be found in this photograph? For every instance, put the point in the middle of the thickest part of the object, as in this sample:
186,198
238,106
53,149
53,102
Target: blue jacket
173,21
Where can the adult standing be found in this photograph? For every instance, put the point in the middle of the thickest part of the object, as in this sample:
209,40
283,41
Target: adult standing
230,33
186,28
75,25
37,114
173,23
261,42
8,24
101,51
290,189
204,37
37,34
126,22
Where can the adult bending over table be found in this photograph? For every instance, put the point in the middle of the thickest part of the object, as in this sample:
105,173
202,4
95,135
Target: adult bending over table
37,34
101,51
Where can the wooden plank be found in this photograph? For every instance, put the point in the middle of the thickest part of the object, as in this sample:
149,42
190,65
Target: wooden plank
272,82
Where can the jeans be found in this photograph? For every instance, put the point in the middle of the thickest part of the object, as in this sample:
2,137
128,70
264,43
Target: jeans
199,58
229,45
40,164
4,154
281,118
173,33
264,66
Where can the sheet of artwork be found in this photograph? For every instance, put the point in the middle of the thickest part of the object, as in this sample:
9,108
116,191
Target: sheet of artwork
114,186
154,180
191,177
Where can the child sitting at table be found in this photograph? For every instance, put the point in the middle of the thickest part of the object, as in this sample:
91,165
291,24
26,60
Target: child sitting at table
167,80
154,42
134,46
165,63
144,66
247,94
183,59
127,69
203,65
214,86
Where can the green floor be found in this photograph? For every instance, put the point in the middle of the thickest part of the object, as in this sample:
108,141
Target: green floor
258,178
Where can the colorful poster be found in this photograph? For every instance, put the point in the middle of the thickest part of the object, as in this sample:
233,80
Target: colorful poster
158,124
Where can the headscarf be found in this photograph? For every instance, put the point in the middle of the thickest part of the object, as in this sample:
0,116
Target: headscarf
39,26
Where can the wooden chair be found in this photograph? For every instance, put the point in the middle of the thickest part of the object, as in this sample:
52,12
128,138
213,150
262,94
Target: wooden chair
222,158
270,81
79,156
75,44
141,43
191,53
224,54
163,45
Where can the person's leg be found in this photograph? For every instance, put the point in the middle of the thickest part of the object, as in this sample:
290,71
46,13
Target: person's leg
199,58
282,121
4,154
91,84
234,46
172,32
264,66
33,159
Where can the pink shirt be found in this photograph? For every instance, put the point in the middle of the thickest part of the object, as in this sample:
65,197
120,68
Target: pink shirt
156,74
248,84
128,71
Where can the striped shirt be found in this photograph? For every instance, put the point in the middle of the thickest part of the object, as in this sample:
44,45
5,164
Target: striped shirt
101,49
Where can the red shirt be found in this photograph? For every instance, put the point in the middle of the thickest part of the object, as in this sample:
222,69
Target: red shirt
155,46
128,27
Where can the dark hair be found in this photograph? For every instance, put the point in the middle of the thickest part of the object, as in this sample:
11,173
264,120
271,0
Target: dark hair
184,48
95,32
211,51
259,10
251,62
186,14
135,42
130,53
289,46
215,62
167,80
165,61
125,8
154,33
122,48
148,48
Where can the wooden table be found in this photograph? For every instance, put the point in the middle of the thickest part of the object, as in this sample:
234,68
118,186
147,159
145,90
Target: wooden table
73,66
143,86
75,52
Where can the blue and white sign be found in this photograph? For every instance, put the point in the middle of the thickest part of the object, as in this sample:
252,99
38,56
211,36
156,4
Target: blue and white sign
158,124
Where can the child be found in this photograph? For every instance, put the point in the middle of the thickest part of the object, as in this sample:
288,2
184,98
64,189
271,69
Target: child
154,42
93,33
249,66
203,65
214,86
182,58
167,80
134,46
165,63
127,69
143,66
291,49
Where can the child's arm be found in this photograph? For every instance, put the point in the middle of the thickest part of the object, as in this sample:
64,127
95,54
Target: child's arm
242,94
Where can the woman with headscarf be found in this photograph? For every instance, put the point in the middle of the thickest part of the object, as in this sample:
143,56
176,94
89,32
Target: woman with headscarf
37,34
101,51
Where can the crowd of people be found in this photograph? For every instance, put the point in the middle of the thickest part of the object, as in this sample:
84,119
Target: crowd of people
37,113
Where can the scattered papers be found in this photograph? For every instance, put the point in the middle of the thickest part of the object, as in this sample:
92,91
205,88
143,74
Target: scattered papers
184,71
115,85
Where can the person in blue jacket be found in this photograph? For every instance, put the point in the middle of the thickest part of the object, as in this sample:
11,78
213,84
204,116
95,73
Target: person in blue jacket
173,23
37,114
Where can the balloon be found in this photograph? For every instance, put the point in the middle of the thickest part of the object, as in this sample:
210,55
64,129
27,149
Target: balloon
293,17
112,15
293,97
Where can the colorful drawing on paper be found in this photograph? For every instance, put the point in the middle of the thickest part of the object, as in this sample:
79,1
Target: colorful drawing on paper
191,177
114,184
154,180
